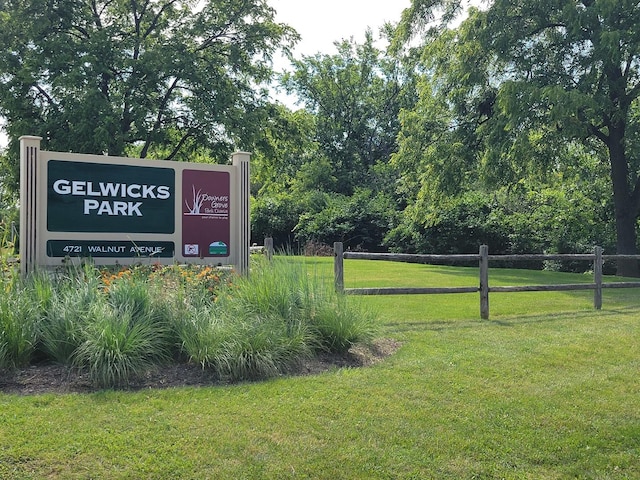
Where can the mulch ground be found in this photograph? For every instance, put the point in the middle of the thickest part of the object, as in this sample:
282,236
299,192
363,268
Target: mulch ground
40,379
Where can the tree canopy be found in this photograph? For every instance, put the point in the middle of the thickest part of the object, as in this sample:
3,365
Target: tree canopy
517,126
521,80
356,96
136,76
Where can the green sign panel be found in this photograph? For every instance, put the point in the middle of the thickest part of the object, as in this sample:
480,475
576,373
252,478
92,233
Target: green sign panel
109,249
97,197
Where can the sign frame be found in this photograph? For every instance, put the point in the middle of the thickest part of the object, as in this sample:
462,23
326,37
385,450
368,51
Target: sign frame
117,210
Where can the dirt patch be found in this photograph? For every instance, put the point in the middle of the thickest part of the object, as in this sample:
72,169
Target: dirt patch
40,379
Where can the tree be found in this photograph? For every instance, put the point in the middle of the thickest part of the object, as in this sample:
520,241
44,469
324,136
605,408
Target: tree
136,76
526,77
356,96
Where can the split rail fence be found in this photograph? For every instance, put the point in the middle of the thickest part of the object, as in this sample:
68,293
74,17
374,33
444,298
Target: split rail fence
483,258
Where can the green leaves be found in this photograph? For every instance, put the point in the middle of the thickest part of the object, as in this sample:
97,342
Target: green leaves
109,76
516,85
356,96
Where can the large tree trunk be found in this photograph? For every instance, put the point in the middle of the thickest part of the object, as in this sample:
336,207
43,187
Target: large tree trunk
626,244
625,209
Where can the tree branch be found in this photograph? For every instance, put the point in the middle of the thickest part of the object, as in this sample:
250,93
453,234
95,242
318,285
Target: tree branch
179,145
159,117
44,94
156,18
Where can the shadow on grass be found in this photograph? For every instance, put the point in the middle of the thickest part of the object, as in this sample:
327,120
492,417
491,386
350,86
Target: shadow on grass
506,321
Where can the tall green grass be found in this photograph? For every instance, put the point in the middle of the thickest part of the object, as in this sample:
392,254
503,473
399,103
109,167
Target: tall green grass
22,306
18,328
73,295
117,327
120,344
267,323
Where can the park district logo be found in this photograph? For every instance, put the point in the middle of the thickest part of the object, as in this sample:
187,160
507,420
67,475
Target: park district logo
96,197
206,208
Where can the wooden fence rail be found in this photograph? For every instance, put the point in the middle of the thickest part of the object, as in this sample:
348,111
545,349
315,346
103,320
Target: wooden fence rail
483,258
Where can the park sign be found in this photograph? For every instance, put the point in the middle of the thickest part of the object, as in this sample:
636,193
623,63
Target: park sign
117,210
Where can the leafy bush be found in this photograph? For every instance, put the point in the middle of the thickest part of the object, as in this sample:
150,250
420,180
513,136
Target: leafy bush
519,220
360,221
275,215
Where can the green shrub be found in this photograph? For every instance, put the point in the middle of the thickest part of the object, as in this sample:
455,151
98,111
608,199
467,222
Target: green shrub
18,329
264,349
341,324
117,346
360,220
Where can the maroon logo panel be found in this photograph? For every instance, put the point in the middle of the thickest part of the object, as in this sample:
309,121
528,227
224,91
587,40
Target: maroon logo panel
206,204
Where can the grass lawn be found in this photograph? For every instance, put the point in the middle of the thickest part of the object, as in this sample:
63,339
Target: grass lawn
546,389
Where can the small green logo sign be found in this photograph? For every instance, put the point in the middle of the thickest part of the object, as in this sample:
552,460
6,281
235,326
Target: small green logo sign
218,248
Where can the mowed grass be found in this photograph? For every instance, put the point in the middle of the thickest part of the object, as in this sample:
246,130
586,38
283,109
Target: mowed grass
547,389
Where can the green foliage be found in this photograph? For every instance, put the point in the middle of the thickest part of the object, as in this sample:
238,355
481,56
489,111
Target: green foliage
317,185
163,78
519,220
348,134
276,215
19,321
519,84
356,96
360,221
9,221
119,345
118,326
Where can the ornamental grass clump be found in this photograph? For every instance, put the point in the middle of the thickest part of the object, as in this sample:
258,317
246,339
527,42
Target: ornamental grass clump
118,325
340,325
74,296
118,346
62,329
282,288
265,348
22,306
205,338
124,330
286,312
19,318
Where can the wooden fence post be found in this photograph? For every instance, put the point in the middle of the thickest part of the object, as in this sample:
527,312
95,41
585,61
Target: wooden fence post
484,282
597,278
268,247
338,267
